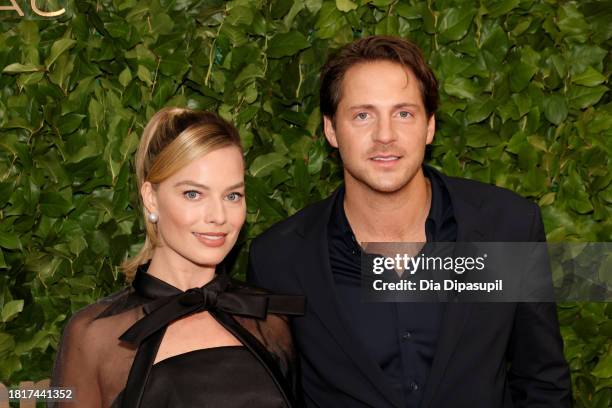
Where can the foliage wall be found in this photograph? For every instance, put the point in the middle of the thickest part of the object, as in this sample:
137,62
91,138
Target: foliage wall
525,104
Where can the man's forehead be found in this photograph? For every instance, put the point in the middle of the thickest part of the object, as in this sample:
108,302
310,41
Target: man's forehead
379,83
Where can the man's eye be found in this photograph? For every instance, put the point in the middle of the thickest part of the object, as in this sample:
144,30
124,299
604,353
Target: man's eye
234,196
191,195
405,114
362,115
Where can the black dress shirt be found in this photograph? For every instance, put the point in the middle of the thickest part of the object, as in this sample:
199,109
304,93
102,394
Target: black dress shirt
400,337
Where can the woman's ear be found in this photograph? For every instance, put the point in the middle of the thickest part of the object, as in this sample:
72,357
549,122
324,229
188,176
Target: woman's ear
149,197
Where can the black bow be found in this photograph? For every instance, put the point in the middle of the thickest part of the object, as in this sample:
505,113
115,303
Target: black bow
212,296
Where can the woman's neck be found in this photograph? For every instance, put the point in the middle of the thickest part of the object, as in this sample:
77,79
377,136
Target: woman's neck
178,271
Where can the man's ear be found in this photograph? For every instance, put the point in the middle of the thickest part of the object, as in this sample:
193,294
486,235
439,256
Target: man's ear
149,197
431,128
330,132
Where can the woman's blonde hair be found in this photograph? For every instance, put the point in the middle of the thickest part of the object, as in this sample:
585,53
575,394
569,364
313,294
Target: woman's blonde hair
172,139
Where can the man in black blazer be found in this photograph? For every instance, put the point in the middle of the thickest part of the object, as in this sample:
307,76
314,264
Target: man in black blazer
378,100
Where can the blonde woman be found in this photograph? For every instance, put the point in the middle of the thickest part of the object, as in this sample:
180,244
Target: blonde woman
184,334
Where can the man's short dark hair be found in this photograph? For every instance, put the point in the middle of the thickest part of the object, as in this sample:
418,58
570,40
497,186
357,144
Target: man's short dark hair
376,48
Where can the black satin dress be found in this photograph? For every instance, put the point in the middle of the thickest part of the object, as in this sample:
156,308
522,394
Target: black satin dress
219,377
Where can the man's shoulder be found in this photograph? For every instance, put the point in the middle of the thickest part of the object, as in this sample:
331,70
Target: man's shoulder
490,195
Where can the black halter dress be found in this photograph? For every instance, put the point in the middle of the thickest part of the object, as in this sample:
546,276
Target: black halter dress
259,373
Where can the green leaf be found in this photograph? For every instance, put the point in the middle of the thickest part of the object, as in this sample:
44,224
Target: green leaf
263,165
330,21
555,109
286,44
479,111
17,68
583,97
315,160
346,5
69,123
161,23
451,165
125,77
248,74
53,204
498,8
11,309
571,22
454,23
7,343
461,87
603,369
590,77
520,76
58,48
240,15
9,240
96,112
175,65
144,75
3,264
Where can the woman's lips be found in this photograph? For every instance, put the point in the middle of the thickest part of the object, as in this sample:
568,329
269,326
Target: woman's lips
211,239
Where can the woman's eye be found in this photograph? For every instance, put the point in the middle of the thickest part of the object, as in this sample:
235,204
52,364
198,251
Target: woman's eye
191,195
362,115
234,196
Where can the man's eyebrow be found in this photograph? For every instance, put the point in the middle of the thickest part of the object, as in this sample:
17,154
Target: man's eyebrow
396,106
203,187
406,105
362,106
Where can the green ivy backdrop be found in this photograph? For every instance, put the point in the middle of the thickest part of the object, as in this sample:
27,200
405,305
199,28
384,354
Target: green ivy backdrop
525,104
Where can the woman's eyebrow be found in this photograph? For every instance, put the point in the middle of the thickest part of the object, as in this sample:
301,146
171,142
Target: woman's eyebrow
204,187
192,184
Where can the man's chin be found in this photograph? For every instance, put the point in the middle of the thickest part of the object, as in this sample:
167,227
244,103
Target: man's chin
385,186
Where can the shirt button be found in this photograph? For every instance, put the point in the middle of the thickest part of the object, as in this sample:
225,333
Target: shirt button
406,336
413,386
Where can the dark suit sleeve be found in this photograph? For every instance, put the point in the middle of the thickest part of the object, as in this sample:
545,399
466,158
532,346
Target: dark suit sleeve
539,375
251,275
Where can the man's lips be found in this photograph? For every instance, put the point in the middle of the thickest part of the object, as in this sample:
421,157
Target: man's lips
386,158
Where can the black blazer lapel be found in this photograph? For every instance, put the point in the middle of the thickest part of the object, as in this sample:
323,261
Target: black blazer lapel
467,210
315,276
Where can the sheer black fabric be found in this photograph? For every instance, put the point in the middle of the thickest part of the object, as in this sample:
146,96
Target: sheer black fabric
106,371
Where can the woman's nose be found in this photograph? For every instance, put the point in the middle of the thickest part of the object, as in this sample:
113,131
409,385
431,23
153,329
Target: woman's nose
214,213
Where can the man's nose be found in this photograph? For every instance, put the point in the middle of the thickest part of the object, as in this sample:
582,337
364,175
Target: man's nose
384,132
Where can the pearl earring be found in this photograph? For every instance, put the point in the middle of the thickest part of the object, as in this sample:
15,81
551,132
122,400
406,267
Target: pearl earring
153,217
